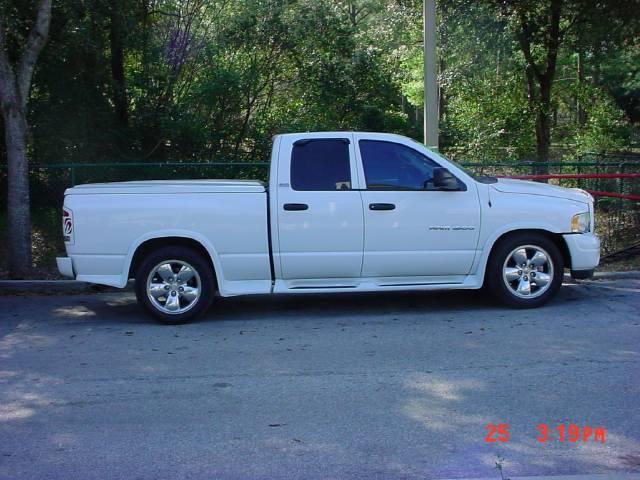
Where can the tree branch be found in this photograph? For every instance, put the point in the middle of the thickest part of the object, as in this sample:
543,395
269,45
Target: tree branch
162,12
553,40
525,45
35,43
573,21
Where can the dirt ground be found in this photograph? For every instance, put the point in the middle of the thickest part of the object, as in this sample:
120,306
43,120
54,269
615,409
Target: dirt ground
623,261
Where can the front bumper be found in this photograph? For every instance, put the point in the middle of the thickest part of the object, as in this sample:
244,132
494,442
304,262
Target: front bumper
65,266
584,249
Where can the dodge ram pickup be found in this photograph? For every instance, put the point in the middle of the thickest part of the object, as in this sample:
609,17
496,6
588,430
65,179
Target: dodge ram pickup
342,212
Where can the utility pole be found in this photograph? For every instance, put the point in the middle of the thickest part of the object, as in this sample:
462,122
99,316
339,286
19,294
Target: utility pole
430,75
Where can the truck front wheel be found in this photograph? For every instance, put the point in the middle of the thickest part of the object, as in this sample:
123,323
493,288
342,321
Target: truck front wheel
175,284
525,270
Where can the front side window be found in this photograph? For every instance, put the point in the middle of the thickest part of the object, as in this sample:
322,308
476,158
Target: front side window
393,166
321,165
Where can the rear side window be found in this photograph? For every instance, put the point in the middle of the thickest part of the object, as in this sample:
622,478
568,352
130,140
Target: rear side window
321,165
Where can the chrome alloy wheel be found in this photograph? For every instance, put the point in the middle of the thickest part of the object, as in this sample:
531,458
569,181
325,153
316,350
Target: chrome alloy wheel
173,286
528,271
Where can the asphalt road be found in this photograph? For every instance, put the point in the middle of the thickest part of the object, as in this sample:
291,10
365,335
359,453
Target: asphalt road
351,386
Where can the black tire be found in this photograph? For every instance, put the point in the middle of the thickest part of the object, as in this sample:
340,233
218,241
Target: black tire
203,274
495,278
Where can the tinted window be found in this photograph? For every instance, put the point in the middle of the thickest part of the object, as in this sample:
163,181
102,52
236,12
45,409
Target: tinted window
320,165
392,166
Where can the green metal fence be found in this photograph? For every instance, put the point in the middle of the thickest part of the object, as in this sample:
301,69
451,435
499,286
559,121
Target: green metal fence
51,180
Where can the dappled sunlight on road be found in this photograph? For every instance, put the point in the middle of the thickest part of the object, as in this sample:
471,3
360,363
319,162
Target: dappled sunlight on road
432,402
18,404
14,411
598,457
625,353
450,409
23,339
122,299
612,454
443,389
439,419
74,311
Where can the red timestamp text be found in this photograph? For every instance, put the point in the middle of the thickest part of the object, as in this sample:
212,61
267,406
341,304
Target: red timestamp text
570,433
499,432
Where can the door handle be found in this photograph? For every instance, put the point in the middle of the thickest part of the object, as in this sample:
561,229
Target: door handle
382,206
295,206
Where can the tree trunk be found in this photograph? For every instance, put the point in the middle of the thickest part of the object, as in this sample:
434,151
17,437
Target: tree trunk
540,77
543,128
15,84
18,214
580,114
442,94
543,141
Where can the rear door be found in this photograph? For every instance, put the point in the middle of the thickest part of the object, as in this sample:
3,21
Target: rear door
320,217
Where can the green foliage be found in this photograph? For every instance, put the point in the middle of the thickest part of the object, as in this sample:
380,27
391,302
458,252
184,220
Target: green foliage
215,79
209,79
619,73
605,128
485,109
488,119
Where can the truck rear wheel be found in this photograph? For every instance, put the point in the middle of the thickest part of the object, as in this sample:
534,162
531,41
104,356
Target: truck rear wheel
175,284
525,270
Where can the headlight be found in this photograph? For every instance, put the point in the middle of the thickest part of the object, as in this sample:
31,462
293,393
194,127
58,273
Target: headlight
580,222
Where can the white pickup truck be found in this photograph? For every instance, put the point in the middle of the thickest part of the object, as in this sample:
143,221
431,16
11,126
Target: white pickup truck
343,212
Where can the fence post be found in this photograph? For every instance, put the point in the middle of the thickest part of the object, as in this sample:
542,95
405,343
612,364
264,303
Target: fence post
580,183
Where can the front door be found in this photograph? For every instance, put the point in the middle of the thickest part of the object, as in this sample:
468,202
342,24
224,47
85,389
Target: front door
412,229
320,222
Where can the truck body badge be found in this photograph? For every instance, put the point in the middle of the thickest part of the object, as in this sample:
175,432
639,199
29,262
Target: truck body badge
446,228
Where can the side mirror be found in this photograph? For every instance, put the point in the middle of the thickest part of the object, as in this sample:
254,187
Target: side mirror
443,179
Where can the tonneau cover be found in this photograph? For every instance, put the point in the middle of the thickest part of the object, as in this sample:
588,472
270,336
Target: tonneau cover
169,186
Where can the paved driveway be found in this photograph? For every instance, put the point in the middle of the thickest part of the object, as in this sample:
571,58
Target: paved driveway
353,386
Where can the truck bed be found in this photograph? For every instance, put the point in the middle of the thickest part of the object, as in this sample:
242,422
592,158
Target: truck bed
227,217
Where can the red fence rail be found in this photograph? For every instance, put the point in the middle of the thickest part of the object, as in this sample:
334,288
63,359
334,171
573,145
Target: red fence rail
633,198
595,193
574,175
617,195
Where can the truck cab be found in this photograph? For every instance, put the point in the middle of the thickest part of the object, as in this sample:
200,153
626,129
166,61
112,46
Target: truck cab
361,210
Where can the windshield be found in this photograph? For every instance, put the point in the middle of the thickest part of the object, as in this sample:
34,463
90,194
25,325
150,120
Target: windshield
477,178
